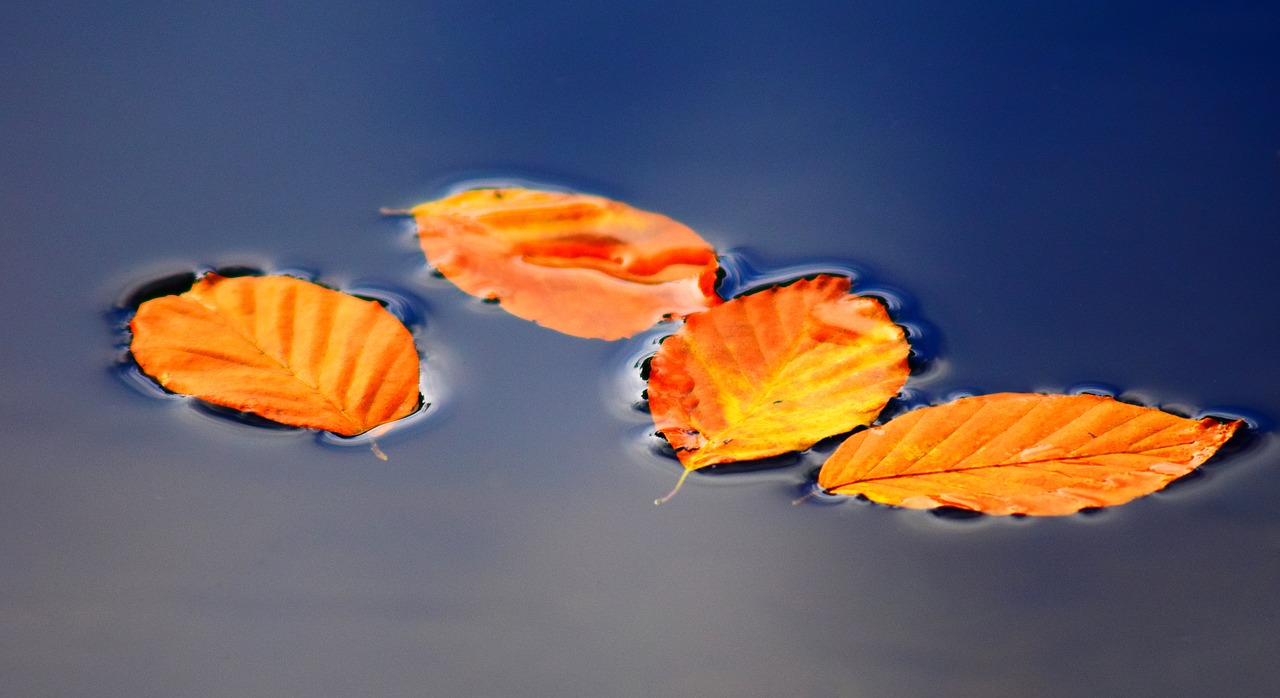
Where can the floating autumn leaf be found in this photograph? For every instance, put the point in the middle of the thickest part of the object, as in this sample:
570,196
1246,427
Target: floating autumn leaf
775,372
1016,453
582,265
281,348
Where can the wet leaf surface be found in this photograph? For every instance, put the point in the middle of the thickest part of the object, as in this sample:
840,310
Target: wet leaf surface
775,371
1014,453
281,348
582,265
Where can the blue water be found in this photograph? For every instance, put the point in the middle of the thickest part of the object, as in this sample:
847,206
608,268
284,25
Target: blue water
1057,197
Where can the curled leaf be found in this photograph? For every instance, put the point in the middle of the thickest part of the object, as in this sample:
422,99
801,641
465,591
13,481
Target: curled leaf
1015,453
582,265
281,348
774,372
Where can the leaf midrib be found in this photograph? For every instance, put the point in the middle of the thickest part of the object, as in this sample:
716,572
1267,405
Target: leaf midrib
764,398
1067,459
222,317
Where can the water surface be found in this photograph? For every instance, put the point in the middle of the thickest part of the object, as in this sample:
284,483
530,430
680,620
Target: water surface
1064,195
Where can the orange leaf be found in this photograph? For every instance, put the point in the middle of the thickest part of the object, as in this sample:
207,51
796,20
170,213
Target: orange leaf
1022,454
281,348
582,265
774,372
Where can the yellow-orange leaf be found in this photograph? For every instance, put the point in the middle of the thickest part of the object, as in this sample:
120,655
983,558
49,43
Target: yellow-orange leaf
1015,453
774,372
582,265
281,348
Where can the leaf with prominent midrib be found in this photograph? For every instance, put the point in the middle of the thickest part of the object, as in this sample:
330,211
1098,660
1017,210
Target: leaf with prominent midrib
1014,453
775,371
582,265
281,348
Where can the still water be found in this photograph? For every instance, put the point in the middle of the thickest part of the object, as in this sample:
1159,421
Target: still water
1055,197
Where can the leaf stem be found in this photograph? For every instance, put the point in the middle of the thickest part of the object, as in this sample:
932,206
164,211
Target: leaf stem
672,493
805,497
